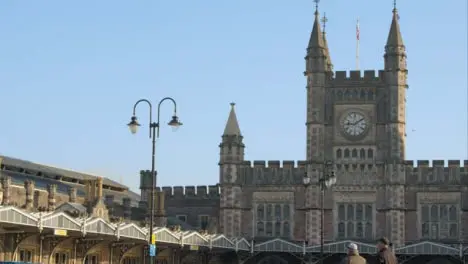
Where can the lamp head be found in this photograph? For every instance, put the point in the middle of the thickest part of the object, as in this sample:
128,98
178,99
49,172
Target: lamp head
306,179
133,125
175,123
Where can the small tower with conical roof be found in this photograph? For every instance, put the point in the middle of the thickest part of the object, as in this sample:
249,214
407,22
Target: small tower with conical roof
318,72
396,81
232,146
231,158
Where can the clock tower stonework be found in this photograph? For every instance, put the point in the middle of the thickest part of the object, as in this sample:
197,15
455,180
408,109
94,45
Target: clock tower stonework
356,116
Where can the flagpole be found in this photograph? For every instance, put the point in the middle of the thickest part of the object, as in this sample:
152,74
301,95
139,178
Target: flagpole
357,43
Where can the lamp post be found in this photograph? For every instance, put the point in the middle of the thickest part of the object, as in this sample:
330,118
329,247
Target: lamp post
327,180
153,134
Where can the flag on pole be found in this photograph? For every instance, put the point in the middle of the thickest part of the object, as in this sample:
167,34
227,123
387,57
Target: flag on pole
357,30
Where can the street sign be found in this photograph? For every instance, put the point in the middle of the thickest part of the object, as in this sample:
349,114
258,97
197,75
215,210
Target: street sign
153,239
60,232
152,250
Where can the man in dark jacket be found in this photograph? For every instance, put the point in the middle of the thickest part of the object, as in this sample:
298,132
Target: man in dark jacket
385,254
353,256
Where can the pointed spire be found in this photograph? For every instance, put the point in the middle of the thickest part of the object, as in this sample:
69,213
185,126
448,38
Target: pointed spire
394,36
232,126
325,42
316,37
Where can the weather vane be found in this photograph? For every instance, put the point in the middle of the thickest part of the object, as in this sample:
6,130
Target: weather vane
394,4
324,22
316,4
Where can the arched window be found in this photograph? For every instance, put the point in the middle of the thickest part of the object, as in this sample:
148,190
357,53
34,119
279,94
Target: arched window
346,95
362,154
269,229
453,231
354,153
286,229
350,213
359,230
363,95
434,213
339,95
341,230
341,212
278,212
350,230
261,211
369,232
453,214
278,229
370,154
346,153
425,213
425,230
286,212
269,212
359,212
369,213
355,94
260,228
443,211
339,154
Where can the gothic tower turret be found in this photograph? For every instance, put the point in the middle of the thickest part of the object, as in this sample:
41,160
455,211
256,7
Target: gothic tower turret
232,146
396,82
318,71
231,157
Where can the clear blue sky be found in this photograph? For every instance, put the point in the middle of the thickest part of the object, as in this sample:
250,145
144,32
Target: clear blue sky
70,72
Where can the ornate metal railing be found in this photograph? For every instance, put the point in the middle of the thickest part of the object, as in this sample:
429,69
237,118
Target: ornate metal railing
129,231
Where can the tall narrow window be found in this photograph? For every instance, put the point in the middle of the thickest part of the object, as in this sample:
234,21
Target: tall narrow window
261,211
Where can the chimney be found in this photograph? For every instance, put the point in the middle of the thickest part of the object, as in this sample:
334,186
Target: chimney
160,210
6,183
52,189
160,218
72,195
29,186
127,207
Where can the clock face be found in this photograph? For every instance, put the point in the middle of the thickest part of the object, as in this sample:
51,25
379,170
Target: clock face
354,124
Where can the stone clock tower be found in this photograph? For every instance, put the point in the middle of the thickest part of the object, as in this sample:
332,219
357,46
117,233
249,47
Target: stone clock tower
356,116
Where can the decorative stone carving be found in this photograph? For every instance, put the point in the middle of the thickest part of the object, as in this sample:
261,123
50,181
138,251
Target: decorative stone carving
273,196
438,197
354,197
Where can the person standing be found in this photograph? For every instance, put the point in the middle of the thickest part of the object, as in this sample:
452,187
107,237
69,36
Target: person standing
353,256
385,254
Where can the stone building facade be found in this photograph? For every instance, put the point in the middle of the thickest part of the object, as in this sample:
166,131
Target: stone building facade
357,120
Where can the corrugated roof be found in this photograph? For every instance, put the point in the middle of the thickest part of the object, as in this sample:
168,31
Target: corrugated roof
27,165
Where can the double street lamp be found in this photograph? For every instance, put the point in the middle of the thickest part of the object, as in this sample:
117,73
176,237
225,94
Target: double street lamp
153,134
326,180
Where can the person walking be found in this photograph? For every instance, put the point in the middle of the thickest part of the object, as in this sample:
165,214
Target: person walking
385,254
353,256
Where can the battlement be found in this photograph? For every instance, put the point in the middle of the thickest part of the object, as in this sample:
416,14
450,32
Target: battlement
437,163
200,191
277,164
357,76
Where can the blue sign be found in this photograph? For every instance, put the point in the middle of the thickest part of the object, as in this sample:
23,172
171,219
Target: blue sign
152,250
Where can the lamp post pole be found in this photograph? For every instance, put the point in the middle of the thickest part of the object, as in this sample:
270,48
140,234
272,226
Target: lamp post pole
326,181
153,134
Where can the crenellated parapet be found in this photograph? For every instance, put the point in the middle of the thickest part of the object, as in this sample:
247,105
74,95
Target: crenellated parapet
276,164
347,77
271,172
190,192
437,172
